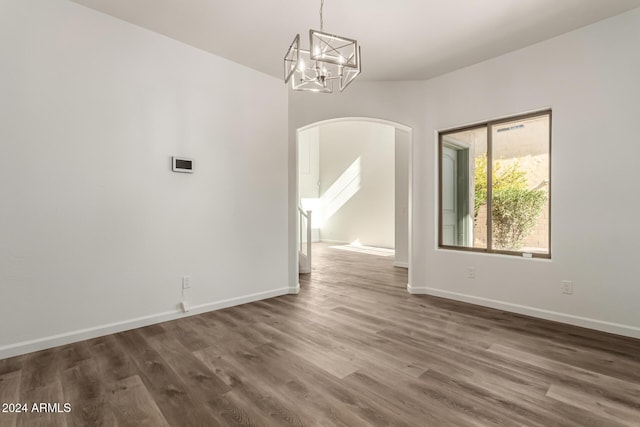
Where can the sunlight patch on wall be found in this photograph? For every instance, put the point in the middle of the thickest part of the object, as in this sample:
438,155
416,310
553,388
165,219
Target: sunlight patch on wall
342,190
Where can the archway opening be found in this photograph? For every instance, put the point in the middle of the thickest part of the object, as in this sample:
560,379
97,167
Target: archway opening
354,175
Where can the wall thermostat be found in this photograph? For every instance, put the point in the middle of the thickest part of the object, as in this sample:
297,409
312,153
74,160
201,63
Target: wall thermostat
182,164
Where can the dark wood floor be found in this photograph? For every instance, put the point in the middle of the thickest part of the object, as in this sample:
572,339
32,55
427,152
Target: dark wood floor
352,349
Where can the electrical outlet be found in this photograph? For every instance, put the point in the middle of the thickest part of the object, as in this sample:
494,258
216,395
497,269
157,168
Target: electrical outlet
471,272
186,282
567,287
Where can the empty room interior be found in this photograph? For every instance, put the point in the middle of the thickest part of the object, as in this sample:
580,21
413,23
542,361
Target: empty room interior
319,212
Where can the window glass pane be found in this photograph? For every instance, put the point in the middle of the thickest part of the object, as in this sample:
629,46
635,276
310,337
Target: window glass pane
463,184
520,187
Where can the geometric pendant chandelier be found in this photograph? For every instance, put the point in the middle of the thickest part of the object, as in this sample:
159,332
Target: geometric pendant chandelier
330,58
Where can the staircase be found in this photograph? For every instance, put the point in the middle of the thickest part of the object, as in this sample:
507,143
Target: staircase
304,241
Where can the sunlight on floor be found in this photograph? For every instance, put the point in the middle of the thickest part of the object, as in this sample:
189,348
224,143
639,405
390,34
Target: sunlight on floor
366,250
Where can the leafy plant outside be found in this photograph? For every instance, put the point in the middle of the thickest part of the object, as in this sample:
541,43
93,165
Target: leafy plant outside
514,209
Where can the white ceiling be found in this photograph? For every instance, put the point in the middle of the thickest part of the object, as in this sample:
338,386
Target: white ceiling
400,40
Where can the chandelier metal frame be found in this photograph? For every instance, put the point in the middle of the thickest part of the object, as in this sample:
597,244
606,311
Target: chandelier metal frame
330,58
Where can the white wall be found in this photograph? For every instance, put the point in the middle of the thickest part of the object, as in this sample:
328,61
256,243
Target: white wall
309,178
589,78
96,231
402,158
309,163
363,201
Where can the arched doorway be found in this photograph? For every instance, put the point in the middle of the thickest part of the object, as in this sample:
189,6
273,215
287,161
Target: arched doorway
345,183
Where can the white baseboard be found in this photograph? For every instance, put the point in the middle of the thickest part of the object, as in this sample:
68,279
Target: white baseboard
112,328
415,291
295,290
584,322
401,264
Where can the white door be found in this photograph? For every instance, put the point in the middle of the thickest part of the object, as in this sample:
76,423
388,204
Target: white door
449,196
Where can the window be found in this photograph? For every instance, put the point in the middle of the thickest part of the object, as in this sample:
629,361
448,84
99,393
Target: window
494,186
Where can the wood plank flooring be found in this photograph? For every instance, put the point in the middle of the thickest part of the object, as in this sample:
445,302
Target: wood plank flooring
352,349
